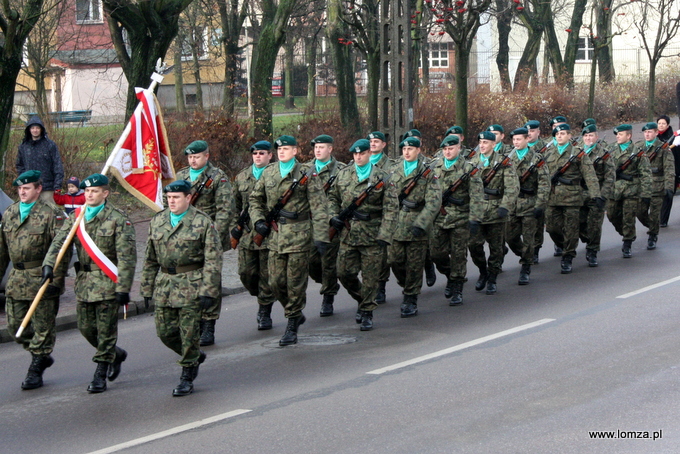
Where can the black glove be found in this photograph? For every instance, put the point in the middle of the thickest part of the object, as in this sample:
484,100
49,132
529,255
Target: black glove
321,247
206,302
599,202
417,231
122,297
236,233
669,193
383,243
52,291
474,227
262,228
538,212
646,201
47,274
147,302
336,223
502,212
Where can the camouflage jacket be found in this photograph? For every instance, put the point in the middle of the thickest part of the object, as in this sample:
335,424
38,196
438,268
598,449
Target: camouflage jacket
194,242
533,193
538,146
308,204
662,168
426,195
466,203
385,162
243,186
604,170
501,191
217,201
330,169
113,233
636,180
27,243
569,191
379,206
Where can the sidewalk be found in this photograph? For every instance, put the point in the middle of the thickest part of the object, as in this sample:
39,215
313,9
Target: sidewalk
66,319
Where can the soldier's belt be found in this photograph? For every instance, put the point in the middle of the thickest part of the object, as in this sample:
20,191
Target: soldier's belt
27,265
289,214
89,268
181,269
623,176
527,191
492,197
293,220
359,216
568,182
455,201
491,191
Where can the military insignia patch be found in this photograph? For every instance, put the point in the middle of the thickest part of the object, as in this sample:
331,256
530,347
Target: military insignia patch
128,223
223,180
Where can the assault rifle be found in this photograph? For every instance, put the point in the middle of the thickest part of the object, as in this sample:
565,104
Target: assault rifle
447,195
663,146
412,184
327,185
472,153
199,190
602,158
241,225
348,213
504,162
532,168
558,174
273,216
625,164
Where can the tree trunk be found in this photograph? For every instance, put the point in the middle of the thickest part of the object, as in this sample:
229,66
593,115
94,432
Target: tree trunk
289,47
197,73
572,41
462,69
373,69
231,18
310,57
179,77
527,63
504,25
651,91
553,45
603,27
11,65
591,88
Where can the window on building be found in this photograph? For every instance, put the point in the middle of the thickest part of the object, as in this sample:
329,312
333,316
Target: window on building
439,55
88,11
190,99
585,50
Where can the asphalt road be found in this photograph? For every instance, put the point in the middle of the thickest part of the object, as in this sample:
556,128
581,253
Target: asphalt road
532,369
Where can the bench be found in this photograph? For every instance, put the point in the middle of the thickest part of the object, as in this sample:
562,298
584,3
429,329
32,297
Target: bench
69,116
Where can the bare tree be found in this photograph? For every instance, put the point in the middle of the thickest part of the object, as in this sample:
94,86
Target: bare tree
232,17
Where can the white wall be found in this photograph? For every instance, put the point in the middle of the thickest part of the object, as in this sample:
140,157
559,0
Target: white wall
101,90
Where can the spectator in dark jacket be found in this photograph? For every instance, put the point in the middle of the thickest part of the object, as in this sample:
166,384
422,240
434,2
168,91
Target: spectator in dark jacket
37,152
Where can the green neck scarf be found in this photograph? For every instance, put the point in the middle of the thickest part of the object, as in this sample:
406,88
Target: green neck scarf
531,144
320,165
363,171
257,171
522,153
193,174
561,148
624,146
589,148
91,212
175,218
554,141
484,160
286,167
24,209
498,146
409,167
375,158
649,144
448,164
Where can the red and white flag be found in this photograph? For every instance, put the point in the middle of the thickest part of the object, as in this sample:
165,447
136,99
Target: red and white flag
143,164
96,254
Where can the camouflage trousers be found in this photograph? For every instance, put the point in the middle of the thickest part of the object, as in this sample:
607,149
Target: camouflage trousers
178,328
369,260
520,235
253,268
494,236
40,334
98,323
651,217
540,232
385,273
288,276
448,248
324,270
407,260
562,223
621,213
591,220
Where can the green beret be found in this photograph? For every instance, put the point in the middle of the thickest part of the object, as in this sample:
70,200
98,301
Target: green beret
588,129
323,138
197,146
377,135
450,141
533,124
261,145
454,130
558,119
285,141
94,180
519,132
562,127
178,186
587,122
410,142
30,176
623,127
413,133
650,125
497,128
486,135
360,146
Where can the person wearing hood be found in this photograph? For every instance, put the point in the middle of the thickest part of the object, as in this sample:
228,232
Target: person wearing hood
38,152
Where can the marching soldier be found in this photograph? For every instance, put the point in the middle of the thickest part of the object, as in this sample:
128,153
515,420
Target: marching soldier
568,167
535,141
182,274
107,255
370,225
28,228
501,187
500,146
253,268
324,270
536,144
212,194
419,196
662,166
592,215
301,223
461,203
534,186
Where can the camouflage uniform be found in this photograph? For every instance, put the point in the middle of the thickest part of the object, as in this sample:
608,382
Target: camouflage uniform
663,180
182,263
385,164
540,221
592,217
26,244
97,310
290,246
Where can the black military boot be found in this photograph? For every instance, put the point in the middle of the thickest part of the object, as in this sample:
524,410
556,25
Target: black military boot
201,359
481,282
264,317
114,370
626,249
327,306
448,293
186,383
409,307
290,336
536,251
366,321
456,294
98,384
430,273
591,257
565,265
524,275
207,333
380,296
558,252
38,365
491,284
651,242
